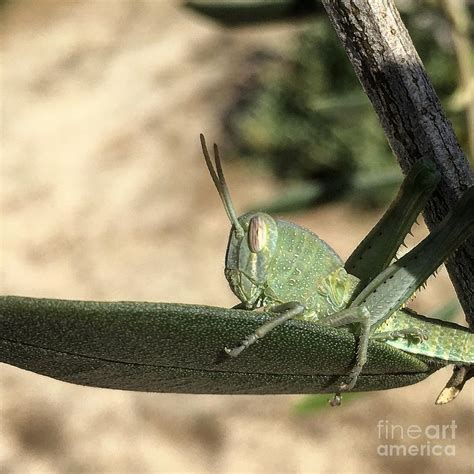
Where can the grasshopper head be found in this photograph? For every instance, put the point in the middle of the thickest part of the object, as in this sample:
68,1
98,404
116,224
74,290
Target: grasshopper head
252,242
249,255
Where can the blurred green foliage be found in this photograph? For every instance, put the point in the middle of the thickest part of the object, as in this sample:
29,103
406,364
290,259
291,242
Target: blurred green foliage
306,117
312,403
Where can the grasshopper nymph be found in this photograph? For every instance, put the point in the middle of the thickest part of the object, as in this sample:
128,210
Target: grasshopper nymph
290,272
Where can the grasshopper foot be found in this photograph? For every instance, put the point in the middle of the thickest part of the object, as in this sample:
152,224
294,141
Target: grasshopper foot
352,377
346,387
245,343
234,352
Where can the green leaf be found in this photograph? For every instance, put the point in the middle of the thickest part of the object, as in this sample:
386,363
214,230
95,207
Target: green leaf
163,347
313,403
307,194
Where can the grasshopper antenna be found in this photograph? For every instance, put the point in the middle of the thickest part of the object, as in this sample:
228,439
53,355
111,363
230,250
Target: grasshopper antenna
217,176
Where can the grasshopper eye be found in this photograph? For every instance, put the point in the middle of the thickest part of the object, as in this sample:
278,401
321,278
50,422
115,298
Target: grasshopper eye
257,234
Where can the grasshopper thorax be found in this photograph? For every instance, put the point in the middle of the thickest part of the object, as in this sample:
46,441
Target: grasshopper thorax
249,255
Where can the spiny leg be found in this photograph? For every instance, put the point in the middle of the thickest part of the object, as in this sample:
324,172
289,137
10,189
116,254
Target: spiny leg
286,311
393,287
380,246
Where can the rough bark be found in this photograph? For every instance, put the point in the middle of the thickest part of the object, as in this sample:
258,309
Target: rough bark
392,74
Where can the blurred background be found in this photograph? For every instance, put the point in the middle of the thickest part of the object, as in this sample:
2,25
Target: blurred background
105,197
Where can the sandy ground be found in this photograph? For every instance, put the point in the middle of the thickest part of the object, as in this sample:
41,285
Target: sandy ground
105,197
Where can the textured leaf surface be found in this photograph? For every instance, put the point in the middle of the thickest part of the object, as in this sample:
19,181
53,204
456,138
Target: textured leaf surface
163,347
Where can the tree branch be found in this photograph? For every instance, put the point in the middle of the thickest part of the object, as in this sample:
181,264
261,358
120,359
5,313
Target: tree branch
392,74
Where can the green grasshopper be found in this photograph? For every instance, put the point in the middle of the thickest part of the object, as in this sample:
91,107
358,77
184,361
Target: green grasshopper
290,272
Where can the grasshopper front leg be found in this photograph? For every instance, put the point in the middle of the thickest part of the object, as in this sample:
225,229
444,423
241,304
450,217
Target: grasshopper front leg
284,312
